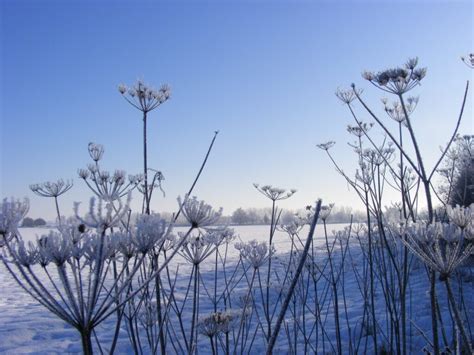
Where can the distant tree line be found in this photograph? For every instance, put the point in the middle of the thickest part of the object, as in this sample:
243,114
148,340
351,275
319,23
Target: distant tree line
30,222
262,216
252,216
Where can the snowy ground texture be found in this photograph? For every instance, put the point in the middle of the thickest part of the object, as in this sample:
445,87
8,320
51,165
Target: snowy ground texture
27,328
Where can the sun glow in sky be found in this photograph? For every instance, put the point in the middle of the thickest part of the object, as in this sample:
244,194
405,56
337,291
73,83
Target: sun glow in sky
262,73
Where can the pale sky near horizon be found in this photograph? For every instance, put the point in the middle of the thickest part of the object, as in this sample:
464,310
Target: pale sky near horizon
263,73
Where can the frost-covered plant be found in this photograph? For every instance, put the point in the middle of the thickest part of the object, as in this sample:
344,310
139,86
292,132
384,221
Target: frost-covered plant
11,214
254,252
274,194
83,294
444,247
145,99
151,231
215,323
441,246
198,213
52,189
196,248
104,214
102,183
409,173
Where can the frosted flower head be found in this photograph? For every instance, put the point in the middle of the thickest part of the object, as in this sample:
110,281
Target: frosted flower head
96,151
55,247
216,322
461,216
125,244
274,193
144,97
197,247
294,227
25,255
83,173
378,156
106,185
208,325
360,130
325,211
198,213
440,246
99,247
255,253
11,214
219,236
135,179
51,189
363,175
104,214
122,89
169,242
396,112
347,96
326,146
397,80
151,230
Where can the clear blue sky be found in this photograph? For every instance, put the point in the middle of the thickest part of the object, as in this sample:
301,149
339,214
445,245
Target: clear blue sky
263,73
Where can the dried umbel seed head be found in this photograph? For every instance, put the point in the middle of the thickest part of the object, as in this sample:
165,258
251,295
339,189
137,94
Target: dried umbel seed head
326,146
274,193
96,151
348,95
254,252
198,213
52,189
461,216
144,97
151,230
442,247
397,80
360,130
325,211
11,214
107,213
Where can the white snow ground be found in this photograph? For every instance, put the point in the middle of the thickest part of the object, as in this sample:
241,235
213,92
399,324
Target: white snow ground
28,328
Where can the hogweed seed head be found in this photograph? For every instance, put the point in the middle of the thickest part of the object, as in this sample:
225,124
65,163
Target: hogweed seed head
274,193
52,189
443,247
325,211
151,230
326,146
348,95
198,213
461,216
397,80
96,151
105,214
255,253
144,97
11,214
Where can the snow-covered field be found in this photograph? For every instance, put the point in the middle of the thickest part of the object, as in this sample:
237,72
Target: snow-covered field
26,327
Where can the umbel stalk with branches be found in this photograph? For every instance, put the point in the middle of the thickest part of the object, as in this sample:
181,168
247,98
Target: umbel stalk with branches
406,176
